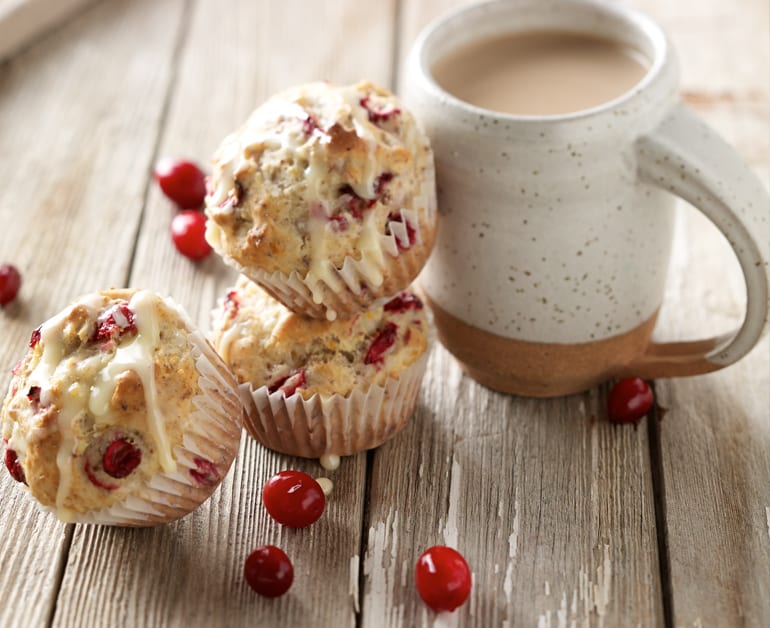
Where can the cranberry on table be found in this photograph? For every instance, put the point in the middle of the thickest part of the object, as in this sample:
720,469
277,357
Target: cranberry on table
181,181
293,499
268,571
10,283
443,578
629,400
188,230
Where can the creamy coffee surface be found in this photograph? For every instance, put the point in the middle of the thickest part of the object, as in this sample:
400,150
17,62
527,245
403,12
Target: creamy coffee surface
540,72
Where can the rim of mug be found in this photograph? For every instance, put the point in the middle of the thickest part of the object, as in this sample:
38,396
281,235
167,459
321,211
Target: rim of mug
662,52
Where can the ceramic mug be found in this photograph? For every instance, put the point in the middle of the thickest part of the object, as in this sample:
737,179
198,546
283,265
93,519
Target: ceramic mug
555,231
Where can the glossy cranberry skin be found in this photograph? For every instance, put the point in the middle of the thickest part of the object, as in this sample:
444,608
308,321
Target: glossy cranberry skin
443,578
268,571
293,499
188,230
629,400
181,181
120,458
10,283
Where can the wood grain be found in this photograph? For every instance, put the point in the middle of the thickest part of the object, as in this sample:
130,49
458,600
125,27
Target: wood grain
196,580
715,433
75,139
553,507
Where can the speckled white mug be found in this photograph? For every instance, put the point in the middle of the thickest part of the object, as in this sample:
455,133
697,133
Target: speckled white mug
555,231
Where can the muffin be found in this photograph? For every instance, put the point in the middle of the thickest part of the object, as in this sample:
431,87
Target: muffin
314,387
121,412
326,198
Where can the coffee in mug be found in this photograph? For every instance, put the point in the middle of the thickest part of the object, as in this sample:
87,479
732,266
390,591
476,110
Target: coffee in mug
540,72
556,196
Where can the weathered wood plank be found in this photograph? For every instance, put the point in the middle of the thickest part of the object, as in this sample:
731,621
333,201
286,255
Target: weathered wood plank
552,506
715,434
231,60
715,448
75,140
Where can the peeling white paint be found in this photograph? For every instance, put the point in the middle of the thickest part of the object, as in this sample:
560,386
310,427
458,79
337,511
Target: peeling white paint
382,569
513,539
590,599
353,582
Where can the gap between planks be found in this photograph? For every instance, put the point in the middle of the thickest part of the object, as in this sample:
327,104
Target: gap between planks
659,502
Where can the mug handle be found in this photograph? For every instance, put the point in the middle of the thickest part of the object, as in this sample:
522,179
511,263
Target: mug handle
684,156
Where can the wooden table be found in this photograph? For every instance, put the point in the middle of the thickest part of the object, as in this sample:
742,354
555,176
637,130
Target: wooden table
565,519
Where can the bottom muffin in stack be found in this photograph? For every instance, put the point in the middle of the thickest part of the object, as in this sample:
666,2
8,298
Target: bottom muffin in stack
314,387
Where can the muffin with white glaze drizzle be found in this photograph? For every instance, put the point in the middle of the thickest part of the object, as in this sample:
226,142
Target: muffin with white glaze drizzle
121,412
326,198
314,387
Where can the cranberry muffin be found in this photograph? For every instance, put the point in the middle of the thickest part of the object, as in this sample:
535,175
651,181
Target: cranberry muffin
326,198
314,387
121,412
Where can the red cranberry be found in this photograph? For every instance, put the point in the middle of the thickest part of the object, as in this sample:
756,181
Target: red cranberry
380,183
232,305
10,282
95,479
268,571
114,323
14,466
188,230
383,341
288,385
35,338
33,394
205,473
181,181
378,115
629,400
120,458
403,302
293,499
443,578
353,202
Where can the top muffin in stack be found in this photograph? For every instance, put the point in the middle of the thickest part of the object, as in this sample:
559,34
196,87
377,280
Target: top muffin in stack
326,198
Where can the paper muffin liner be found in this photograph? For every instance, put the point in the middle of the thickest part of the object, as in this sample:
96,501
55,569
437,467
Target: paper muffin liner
333,424
207,451
358,284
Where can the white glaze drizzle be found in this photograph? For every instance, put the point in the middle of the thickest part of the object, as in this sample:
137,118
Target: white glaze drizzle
327,486
227,338
330,462
50,369
137,356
